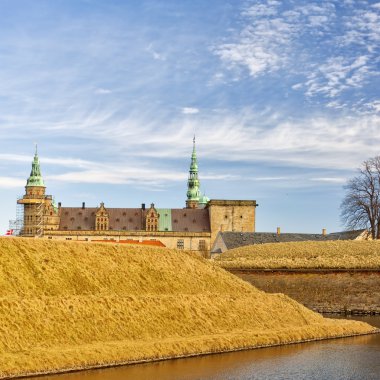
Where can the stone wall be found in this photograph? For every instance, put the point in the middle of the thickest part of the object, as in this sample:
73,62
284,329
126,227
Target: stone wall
192,241
327,291
231,215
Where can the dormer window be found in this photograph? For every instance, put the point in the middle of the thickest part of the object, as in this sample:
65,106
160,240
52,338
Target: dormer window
151,220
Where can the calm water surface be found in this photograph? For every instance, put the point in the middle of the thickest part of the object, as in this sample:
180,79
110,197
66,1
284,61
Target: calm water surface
349,358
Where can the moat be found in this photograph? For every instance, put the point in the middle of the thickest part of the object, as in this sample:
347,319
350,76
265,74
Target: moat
348,358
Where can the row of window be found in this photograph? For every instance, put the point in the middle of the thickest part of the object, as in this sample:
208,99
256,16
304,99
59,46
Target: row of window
201,244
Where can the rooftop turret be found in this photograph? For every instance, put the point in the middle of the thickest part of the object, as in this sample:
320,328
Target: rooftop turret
35,178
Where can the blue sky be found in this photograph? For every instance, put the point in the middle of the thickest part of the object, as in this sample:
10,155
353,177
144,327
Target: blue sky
283,97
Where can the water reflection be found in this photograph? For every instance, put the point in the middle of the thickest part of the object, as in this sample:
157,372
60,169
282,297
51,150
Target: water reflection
350,358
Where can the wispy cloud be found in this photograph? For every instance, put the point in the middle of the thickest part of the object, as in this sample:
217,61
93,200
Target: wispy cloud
328,48
189,110
11,182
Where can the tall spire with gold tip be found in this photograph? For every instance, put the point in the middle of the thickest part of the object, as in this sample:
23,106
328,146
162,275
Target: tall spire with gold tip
193,184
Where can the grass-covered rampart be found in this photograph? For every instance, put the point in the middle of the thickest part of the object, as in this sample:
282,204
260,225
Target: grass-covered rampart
72,305
304,255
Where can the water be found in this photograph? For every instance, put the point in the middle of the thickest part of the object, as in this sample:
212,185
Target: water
340,359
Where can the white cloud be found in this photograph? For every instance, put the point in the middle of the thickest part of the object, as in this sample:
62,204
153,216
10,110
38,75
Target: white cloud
11,182
103,91
156,56
330,179
189,110
335,51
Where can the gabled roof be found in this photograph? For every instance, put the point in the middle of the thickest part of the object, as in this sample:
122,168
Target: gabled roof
190,220
132,219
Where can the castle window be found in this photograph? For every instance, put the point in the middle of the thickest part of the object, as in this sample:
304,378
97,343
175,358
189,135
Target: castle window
180,244
175,221
186,229
51,213
225,216
241,216
194,221
130,220
66,213
72,219
86,219
124,213
124,227
118,220
79,228
65,228
79,213
202,245
184,215
136,213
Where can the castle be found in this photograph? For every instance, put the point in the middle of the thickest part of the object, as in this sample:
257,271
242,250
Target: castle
192,228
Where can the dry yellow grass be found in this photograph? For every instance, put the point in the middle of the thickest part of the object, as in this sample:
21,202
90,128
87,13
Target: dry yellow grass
308,254
71,305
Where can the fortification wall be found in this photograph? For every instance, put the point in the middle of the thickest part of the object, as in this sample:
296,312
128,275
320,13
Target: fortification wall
231,215
325,291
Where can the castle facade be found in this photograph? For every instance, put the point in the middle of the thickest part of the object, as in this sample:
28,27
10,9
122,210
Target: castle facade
192,228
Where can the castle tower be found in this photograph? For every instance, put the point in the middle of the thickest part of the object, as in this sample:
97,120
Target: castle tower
193,184
40,212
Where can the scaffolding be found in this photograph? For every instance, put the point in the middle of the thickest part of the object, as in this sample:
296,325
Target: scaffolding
40,219
17,224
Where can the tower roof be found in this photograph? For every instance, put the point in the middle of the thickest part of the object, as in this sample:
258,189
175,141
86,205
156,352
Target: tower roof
35,178
193,192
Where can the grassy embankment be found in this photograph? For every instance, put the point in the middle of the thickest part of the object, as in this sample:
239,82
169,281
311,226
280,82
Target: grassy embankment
70,305
304,255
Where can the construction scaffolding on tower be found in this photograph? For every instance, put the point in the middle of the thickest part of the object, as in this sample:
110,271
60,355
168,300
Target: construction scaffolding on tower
40,219
17,224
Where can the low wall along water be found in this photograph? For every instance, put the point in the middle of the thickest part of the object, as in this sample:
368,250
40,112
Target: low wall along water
325,291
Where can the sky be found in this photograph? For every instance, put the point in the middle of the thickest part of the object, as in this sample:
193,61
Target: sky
283,97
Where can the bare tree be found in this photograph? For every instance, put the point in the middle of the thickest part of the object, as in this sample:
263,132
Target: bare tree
360,207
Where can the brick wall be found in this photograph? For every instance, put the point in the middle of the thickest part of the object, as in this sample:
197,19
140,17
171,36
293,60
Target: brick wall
351,292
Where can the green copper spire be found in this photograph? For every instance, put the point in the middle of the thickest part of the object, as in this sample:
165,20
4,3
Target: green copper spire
35,178
193,184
